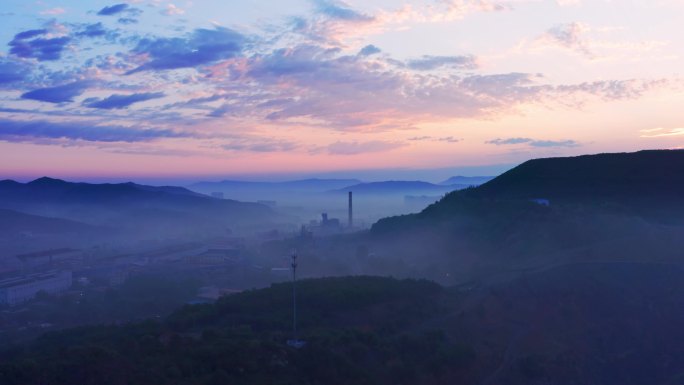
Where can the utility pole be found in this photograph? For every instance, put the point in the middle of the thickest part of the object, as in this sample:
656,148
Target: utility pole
294,295
294,342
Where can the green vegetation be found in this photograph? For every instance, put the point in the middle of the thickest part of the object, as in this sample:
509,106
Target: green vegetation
361,330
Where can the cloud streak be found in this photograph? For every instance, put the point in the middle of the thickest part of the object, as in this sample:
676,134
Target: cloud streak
533,142
203,46
113,9
33,44
321,71
122,101
356,148
60,94
571,36
38,131
427,63
661,132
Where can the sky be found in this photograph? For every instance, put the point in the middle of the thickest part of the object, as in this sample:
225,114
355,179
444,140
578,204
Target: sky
206,89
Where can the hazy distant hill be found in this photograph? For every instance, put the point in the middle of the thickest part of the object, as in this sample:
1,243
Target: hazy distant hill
14,222
308,198
466,180
156,209
49,188
398,188
233,187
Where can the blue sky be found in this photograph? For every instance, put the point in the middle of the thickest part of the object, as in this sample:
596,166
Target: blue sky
169,89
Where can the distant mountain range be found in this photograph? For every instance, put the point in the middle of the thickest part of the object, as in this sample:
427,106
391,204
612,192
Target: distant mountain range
466,180
305,185
399,188
321,194
128,205
48,189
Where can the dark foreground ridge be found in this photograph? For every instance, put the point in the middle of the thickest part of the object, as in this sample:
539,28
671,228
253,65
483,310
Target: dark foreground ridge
612,323
358,330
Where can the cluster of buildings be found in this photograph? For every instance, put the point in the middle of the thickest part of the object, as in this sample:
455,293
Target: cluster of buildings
54,271
47,271
17,290
328,225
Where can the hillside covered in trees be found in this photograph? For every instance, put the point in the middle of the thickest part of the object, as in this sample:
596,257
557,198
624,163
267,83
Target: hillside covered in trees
597,207
577,323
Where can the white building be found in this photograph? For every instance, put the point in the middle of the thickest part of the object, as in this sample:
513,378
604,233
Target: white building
17,290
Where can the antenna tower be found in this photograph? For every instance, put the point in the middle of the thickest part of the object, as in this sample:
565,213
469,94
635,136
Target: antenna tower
294,342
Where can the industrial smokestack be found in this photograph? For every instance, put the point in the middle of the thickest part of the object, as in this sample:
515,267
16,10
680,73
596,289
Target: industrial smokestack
351,213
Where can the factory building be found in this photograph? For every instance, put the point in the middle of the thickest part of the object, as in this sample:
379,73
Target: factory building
14,291
329,223
328,226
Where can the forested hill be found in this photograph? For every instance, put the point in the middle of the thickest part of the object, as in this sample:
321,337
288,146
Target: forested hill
567,325
646,184
643,175
359,330
628,206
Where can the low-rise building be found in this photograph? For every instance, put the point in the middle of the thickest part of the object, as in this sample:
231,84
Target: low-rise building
14,291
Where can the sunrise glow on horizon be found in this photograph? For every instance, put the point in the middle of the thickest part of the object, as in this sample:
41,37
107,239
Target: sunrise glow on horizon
149,88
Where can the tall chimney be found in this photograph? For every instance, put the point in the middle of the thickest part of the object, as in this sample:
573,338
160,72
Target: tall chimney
351,216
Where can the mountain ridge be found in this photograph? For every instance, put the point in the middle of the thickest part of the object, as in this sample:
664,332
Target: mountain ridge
398,187
127,204
606,175
466,180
